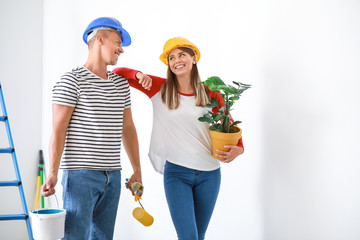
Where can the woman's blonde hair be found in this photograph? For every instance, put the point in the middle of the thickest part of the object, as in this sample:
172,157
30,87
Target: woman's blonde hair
169,90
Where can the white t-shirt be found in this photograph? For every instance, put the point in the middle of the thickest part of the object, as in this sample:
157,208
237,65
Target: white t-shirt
178,137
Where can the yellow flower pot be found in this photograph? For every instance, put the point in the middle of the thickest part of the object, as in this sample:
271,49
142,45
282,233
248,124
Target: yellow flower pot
220,139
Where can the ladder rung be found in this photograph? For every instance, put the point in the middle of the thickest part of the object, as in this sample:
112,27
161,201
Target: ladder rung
3,118
9,183
13,217
6,150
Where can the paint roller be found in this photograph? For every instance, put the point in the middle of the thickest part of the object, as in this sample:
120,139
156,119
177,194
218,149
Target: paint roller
40,181
139,213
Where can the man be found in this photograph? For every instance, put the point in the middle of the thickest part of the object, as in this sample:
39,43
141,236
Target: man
91,116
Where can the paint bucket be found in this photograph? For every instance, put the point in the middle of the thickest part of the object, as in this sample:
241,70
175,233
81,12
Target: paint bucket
142,216
48,223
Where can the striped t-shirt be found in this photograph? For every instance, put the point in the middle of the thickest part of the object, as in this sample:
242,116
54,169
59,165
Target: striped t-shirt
93,139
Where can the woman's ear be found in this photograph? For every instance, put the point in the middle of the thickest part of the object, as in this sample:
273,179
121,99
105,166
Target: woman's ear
194,59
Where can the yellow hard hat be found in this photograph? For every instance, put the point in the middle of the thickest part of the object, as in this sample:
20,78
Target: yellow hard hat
176,42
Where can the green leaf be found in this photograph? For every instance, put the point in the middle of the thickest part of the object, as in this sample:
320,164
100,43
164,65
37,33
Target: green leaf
229,89
213,103
245,85
235,123
214,82
217,118
212,128
203,119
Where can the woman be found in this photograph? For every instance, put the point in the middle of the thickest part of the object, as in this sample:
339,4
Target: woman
180,145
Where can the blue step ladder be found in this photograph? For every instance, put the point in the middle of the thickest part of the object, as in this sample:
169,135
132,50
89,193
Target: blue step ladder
17,182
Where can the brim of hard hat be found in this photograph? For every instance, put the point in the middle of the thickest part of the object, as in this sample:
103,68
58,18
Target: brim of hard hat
125,37
164,56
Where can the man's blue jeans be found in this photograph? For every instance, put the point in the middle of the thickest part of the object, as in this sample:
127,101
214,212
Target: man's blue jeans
91,200
191,196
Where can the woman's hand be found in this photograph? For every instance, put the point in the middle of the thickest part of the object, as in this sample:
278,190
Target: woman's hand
230,155
144,80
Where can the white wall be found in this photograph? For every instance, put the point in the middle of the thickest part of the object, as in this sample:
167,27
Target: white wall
21,79
310,116
298,178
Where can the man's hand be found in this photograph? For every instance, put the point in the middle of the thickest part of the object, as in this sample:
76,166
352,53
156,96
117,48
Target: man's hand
144,80
48,188
136,177
231,155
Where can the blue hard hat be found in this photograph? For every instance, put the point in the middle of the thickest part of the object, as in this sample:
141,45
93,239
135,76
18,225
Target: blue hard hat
110,23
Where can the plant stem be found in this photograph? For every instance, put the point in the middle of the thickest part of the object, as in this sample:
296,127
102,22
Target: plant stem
226,122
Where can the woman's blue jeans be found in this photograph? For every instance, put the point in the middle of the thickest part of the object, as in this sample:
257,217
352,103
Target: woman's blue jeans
91,200
191,196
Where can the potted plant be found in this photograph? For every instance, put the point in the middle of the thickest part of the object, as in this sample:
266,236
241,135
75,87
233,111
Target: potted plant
223,129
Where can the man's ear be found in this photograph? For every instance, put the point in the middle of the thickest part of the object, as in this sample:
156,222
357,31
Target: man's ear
100,39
